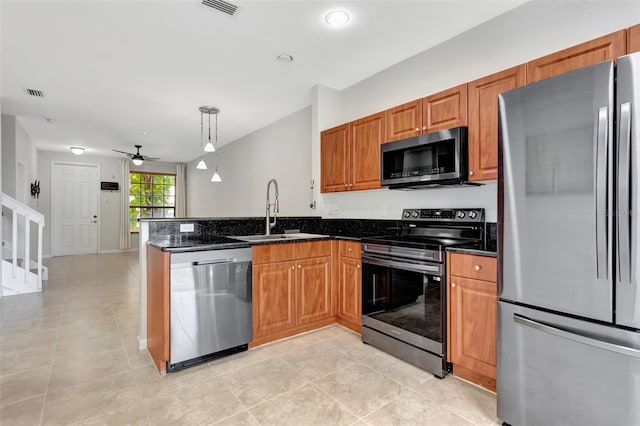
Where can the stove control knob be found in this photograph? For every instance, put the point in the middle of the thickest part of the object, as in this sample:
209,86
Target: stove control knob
460,214
415,214
407,214
473,214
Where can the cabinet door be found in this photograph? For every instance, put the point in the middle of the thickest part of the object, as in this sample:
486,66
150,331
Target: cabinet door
366,137
633,39
350,290
473,324
604,48
313,290
273,297
334,159
445,110
404,121
483,120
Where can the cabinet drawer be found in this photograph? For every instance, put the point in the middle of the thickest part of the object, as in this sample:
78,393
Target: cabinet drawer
350,249
268,253
473,266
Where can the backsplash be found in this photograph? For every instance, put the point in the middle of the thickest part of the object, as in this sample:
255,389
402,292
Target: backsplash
205,228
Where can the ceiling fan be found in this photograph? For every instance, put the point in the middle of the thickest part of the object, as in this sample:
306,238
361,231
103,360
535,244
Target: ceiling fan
137,158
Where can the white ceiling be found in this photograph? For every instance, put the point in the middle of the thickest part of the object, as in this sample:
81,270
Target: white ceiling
109,66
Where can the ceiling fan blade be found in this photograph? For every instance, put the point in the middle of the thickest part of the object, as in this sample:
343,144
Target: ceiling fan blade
122,152
150,158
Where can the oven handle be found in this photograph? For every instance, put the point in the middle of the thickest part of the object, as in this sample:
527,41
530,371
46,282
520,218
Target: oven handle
401,265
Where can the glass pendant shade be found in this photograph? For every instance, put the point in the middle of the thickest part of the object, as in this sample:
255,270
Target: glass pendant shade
216,177
201,165
138,161
209,147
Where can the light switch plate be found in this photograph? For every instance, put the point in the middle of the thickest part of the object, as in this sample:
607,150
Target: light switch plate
186,227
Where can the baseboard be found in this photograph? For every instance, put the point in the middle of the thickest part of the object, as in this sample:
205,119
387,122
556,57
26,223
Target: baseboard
476,378
142,344
117,251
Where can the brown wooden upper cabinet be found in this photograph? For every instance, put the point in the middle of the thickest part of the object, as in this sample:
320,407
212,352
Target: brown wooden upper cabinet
350,155
633,39
439,111
483,120
604,48
334,159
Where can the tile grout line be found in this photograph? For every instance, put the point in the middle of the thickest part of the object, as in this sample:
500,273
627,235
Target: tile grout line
53,357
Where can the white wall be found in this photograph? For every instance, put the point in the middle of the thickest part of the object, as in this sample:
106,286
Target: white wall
110,210
527,32
9,155
281,150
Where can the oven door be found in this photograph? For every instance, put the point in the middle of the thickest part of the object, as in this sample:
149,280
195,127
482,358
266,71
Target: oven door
404,300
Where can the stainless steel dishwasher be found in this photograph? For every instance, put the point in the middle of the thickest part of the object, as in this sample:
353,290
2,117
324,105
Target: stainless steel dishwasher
210,301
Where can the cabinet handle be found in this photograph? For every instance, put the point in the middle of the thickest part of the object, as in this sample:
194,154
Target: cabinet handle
453,285
358,266
293,267
470,172
476,268
349,248
424,128
299,266
350,185
417,129
346,185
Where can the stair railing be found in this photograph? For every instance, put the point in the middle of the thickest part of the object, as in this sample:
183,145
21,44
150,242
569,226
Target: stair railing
30,215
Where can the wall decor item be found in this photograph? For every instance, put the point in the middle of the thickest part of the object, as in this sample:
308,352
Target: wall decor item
35,189
109,186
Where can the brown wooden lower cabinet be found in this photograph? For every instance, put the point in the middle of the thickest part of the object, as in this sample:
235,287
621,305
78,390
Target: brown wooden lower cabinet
472,318
291,294
158,276
350,286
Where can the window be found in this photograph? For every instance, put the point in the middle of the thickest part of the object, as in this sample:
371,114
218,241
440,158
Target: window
151,195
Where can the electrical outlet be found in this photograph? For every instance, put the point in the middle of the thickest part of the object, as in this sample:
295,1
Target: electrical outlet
333,210
186,227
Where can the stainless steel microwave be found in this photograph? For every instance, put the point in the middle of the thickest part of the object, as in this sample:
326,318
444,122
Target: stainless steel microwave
438,158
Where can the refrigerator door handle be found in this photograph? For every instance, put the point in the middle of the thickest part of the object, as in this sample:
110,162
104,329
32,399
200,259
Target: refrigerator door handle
601,193
590,341
624,195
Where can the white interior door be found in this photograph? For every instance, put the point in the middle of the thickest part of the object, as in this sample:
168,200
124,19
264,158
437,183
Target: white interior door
74,202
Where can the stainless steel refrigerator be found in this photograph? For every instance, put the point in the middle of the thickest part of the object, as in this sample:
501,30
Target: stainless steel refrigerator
569,258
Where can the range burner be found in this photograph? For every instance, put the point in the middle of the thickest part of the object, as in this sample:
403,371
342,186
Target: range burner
404,283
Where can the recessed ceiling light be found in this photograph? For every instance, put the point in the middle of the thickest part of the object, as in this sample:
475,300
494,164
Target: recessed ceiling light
77,150
284,58
50,120
337,18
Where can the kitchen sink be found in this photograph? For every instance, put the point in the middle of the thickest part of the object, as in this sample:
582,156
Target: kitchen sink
277,237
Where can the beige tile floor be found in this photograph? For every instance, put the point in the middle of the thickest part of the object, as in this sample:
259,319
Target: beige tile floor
69,356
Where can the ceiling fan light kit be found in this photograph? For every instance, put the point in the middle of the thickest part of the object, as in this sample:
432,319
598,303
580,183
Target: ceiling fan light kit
77,150
209,146
137,158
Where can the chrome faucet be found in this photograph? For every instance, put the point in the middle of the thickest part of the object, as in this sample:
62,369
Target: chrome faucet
276,208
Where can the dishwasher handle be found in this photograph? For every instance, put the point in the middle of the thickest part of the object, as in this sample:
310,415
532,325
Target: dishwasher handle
204,263
213,262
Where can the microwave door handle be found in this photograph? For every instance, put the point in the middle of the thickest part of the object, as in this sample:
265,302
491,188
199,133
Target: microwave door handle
601,193
624,195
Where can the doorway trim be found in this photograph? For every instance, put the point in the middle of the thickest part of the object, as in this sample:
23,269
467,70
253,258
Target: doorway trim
53,195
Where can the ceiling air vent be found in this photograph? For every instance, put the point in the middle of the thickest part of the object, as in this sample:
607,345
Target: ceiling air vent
34,92
222,6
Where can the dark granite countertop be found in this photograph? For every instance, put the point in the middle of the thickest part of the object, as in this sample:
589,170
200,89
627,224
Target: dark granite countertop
176,245
472,251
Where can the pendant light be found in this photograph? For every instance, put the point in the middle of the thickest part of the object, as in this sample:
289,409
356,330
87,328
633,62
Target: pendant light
209,146
216,176
201,164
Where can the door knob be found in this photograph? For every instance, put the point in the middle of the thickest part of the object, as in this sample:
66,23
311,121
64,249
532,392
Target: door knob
453,285
476,268
470,172
358,266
